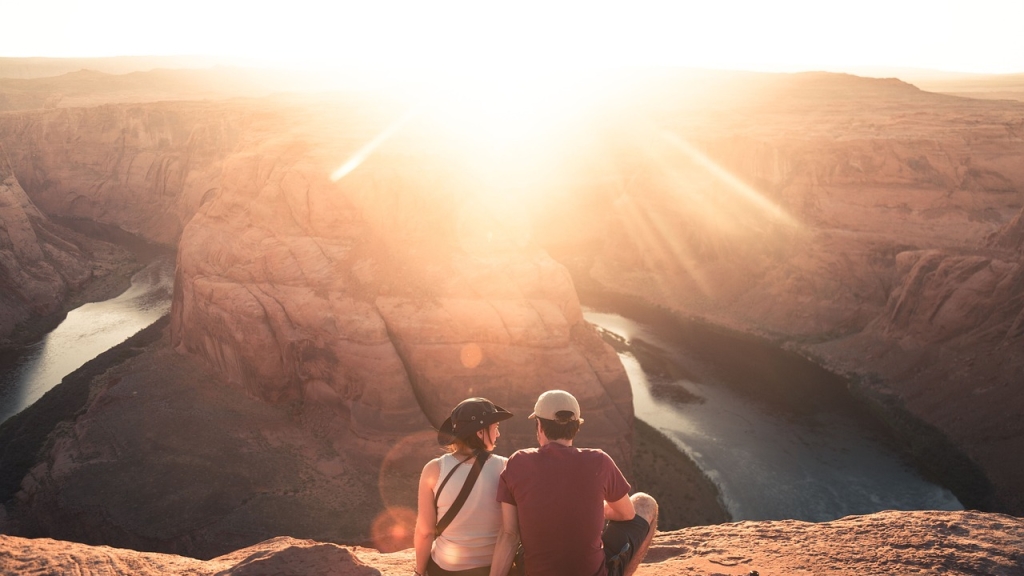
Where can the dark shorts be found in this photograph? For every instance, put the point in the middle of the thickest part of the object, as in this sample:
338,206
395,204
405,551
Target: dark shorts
435,570
621,540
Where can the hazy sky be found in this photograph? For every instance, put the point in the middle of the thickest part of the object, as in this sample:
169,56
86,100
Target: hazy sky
970,36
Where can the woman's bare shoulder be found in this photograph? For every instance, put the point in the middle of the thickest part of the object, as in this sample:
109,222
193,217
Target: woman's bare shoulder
432,469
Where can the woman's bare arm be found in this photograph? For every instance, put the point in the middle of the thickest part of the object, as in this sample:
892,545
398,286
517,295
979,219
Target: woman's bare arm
426,515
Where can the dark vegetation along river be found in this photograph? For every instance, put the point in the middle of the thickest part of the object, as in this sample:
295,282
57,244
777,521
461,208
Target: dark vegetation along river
780,437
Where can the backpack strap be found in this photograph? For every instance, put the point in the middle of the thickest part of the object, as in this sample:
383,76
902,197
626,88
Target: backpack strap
467,487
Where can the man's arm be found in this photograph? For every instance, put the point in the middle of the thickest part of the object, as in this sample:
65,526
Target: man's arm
508,540
621,509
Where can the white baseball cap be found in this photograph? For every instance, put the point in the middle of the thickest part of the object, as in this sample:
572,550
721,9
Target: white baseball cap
552,402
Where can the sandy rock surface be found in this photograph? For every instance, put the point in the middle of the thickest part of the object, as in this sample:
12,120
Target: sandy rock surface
887,543
882,543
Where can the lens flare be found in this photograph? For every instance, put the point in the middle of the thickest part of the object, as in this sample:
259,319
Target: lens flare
400,470
363,153
392,529
471,355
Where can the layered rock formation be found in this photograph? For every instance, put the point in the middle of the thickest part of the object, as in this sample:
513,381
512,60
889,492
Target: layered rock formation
41,263
365,308
32,282
964,543
163,457
387,295
873,226
144,168
282,252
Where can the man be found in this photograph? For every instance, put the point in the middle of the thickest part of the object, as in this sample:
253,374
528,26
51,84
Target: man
556,498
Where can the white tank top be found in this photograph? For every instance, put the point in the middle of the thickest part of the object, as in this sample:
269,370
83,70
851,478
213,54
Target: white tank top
468,542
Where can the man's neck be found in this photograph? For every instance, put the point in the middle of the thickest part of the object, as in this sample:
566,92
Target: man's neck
544,442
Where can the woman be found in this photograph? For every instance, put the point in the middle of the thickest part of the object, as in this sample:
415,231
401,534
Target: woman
465,546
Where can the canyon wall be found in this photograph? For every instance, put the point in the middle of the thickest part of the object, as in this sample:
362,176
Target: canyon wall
389,294
872,226
144,168
353,313
362,293
42,264
36,272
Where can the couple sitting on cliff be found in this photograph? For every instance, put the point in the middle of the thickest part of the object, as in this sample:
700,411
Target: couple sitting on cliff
476,507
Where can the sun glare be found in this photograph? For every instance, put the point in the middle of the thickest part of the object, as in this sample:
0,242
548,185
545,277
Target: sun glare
507,108
501,117
510,128
509,113
367,149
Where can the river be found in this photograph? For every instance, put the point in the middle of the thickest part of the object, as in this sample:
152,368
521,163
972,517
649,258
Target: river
86,332
780,437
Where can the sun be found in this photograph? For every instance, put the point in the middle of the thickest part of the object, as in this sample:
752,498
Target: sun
510,125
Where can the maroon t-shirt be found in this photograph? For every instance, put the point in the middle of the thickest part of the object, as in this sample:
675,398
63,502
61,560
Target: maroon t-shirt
559,492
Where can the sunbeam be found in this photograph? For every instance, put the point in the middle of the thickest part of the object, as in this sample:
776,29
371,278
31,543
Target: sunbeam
655,243
683,211
744,190
363,153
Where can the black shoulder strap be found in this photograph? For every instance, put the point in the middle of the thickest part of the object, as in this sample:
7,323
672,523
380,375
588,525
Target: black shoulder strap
467,487
437,495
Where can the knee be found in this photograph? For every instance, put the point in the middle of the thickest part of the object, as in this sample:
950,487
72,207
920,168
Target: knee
645,506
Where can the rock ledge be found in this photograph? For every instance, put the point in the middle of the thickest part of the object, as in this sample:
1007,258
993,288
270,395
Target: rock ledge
883,543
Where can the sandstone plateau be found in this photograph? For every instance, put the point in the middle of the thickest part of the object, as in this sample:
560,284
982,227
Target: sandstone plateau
965,543
350,266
